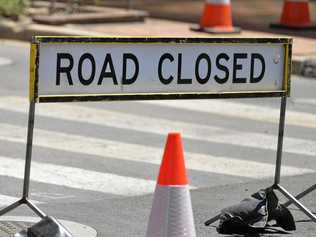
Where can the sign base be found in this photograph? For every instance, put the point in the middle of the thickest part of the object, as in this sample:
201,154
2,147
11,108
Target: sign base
10,225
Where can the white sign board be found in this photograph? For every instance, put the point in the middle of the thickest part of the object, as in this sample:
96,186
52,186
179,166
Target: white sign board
101,68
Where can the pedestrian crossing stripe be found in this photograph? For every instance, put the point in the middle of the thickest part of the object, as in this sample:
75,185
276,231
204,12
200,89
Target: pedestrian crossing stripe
142,153
72,177
309,101
77,178
241,110
160,126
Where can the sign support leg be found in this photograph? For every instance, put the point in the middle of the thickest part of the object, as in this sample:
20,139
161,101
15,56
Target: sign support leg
300,206
277,176
11,207
29,146
278,164
302,194
27,170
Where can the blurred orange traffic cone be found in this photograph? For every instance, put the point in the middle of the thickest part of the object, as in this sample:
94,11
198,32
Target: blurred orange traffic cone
171,213
295,15
217,18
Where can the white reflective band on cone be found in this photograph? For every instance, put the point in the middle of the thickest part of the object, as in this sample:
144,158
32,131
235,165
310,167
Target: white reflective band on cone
171,214
219,2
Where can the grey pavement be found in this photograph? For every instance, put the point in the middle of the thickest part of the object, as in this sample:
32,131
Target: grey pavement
129,216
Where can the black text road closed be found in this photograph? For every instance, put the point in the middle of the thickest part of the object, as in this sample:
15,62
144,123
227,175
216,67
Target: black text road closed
74,68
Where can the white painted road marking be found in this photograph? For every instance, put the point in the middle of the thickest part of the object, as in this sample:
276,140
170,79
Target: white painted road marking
162,126
141,153
244,111
77,178
6,200
52,196
309,101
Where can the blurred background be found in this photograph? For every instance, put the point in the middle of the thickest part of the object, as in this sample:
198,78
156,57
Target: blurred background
249,14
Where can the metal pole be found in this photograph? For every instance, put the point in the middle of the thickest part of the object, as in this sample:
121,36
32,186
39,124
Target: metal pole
277,176
27,170
38,211
300,195
12,207
296,202
212,220
278,165
29,146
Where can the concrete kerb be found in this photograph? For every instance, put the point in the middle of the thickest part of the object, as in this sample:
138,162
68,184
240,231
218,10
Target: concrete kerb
302,65
25,31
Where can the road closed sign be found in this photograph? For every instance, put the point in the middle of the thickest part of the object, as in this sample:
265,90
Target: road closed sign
90,69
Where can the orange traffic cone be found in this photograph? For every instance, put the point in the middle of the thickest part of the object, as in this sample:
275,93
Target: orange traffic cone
295,15
217,18
171,213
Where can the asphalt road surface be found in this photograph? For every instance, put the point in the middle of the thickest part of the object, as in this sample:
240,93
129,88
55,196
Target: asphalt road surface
96,163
